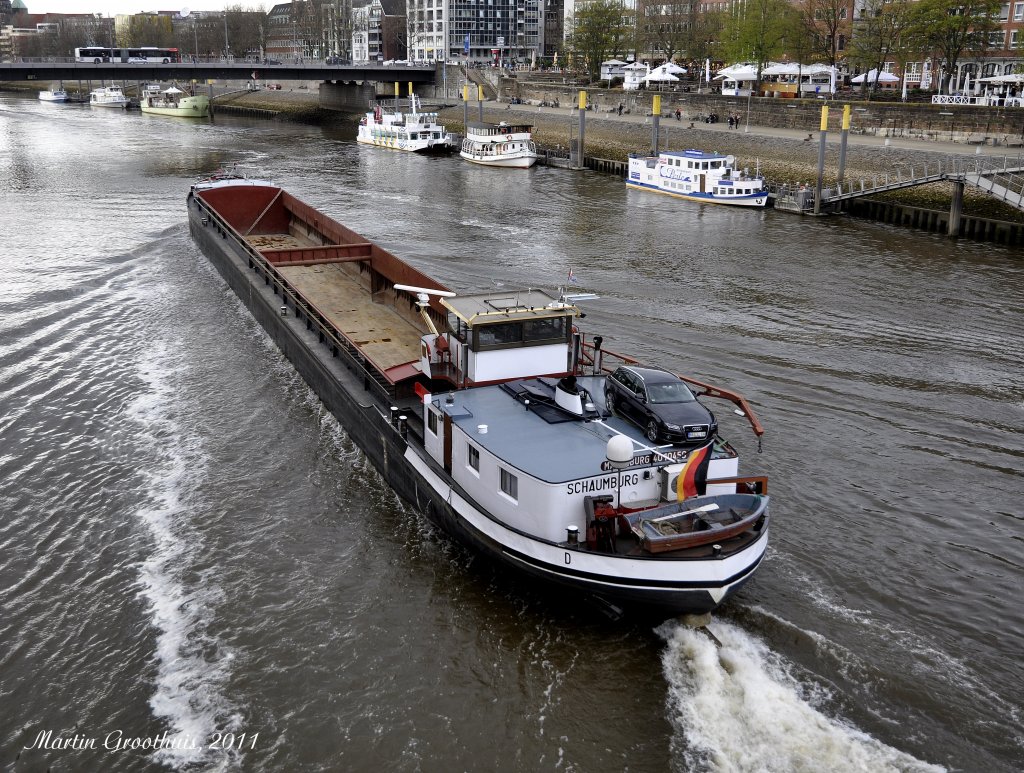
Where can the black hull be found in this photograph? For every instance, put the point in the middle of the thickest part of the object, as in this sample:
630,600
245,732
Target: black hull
367,421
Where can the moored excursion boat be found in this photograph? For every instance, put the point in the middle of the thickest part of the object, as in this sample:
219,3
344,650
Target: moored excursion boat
697,176
54,95
487,411
175,102
500,144
108,96
413,130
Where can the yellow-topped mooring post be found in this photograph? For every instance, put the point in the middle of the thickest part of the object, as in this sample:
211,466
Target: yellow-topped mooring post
581,103
398,91
209,85
821,159
656,121
465,106
480,100
842,144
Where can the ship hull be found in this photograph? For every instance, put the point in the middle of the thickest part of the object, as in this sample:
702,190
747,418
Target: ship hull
634,584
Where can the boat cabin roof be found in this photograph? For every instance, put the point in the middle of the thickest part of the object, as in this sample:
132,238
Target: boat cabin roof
507,306
696,155
498,128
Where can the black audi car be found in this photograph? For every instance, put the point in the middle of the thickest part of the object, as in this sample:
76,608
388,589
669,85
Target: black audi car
660,404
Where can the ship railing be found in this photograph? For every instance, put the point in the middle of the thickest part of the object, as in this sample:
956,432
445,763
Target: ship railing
745,484
602,361
327,332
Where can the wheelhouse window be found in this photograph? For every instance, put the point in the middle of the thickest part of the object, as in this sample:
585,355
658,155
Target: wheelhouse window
473,458
551,329
432,422
509,484
501,334
528,332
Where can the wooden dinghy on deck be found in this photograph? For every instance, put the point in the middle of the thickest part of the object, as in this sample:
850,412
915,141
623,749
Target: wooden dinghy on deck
697,522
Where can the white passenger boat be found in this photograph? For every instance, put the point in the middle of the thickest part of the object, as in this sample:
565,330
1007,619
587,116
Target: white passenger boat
54,95
108,96
175,102
413,130
500,144
698,176
494,416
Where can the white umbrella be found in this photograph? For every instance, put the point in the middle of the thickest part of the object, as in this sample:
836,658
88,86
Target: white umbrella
660,77
173,90
967,83
904,97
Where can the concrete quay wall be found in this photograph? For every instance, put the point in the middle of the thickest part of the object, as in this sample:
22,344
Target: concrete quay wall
1002,126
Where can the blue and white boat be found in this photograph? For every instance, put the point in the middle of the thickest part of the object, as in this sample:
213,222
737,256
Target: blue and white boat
698,176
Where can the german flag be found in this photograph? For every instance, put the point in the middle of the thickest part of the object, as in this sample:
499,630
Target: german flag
693,478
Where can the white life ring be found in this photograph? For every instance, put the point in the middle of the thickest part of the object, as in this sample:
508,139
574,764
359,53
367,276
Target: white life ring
508,136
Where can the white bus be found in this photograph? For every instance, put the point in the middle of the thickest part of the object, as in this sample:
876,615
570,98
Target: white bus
140,55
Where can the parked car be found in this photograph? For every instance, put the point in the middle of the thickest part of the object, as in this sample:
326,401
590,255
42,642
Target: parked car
271,61
659,403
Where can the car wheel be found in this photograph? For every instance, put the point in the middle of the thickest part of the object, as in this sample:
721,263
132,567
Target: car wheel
609,400
652,431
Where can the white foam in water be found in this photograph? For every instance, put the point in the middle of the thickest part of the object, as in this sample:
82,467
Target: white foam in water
191,666
738,709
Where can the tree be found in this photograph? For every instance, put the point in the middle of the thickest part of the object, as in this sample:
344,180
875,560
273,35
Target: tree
702,35
828,26
147,29
880,33
953,29
756,32
664,27
597,32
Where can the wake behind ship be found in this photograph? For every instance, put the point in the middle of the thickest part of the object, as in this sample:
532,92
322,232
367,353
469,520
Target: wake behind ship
494,415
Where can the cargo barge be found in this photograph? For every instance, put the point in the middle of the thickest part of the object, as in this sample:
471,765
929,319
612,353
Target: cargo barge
492,414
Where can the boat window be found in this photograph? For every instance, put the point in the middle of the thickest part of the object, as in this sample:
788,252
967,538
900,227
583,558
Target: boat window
496,335
550,329
509,484
432,421
474,457
458,327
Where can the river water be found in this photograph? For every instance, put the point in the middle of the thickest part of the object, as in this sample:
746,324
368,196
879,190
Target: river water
191,545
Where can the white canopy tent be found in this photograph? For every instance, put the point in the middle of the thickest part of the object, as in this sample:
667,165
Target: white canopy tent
733,76
1018,78
670,67
666,73
660,78
874,76
613,68
634,75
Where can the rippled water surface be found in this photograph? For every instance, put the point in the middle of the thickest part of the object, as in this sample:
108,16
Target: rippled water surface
191,545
